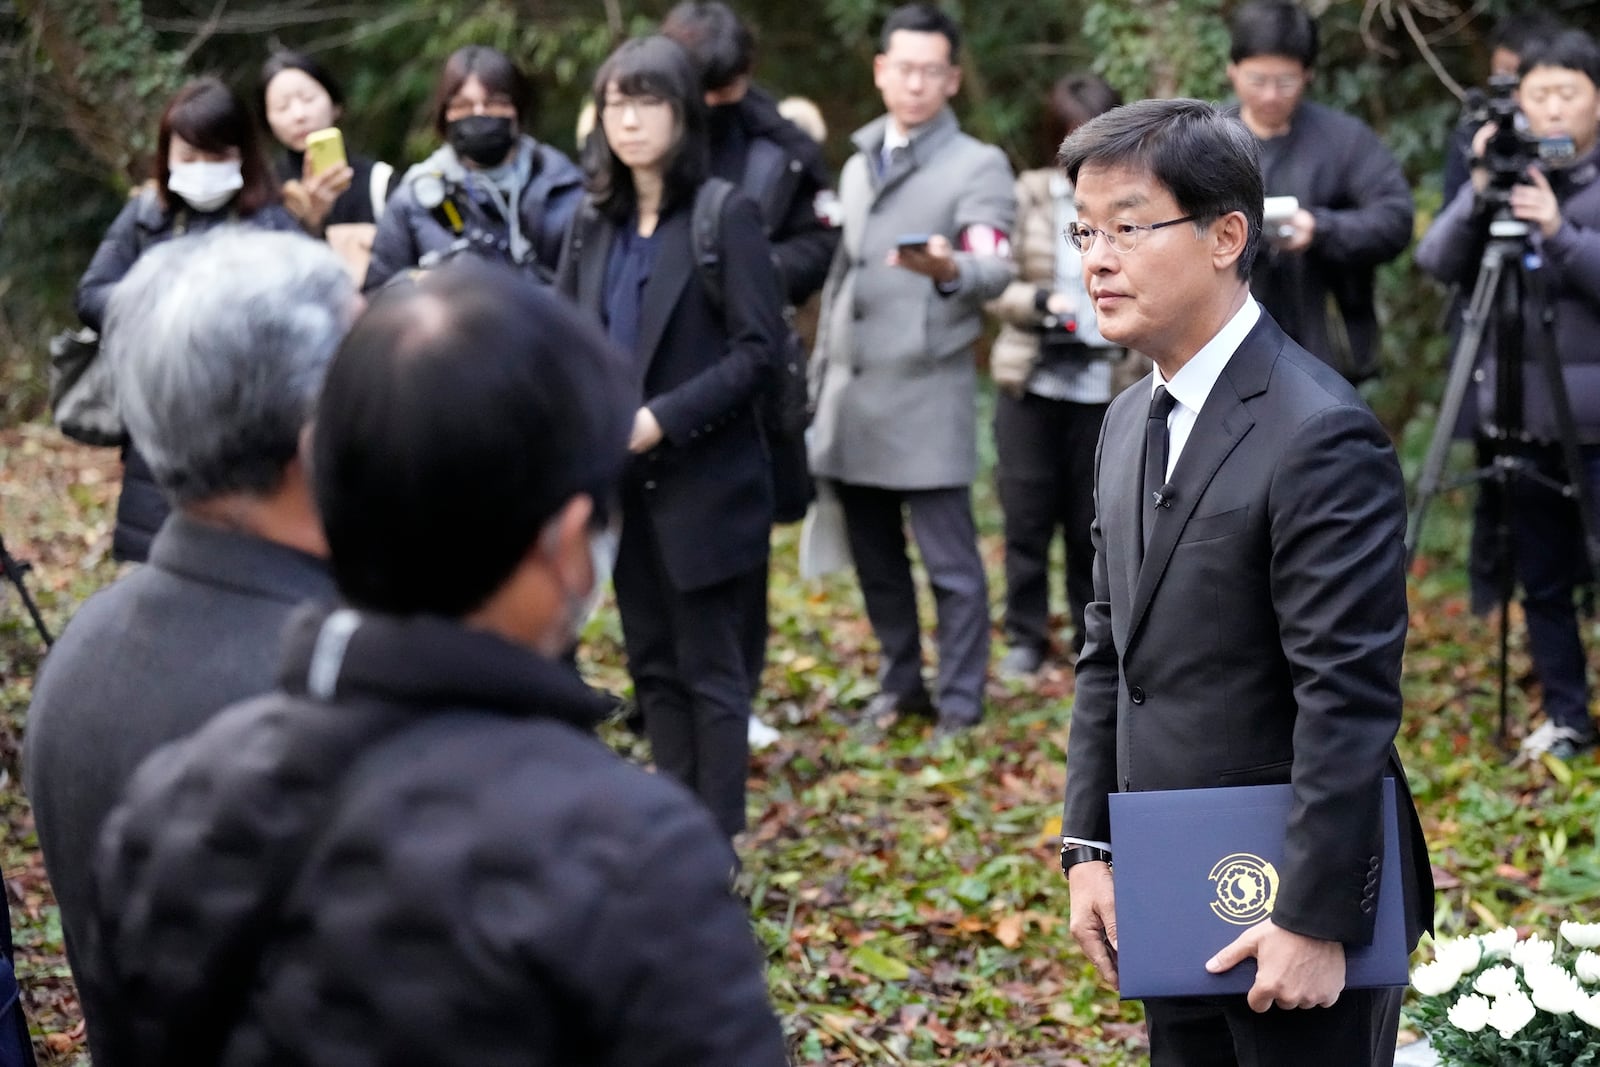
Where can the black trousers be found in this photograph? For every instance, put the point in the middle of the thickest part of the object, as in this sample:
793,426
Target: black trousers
1358,1031
947,538
686,653
1046,479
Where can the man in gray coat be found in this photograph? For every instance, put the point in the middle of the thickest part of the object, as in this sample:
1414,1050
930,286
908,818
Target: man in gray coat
220,343
926,213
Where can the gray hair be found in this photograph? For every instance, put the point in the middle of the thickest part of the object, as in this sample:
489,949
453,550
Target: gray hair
219,344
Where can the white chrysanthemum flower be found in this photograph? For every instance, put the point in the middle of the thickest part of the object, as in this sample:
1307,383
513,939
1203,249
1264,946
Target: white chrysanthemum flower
1589,1011
1581,935
1557,991
1510,1013
1469,1014
1588,966
1497,981
1497,943
1436,978
1461,953
1534,950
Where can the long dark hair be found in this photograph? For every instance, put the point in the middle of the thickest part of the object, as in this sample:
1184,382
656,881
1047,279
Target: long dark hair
649,66
284,60
209,116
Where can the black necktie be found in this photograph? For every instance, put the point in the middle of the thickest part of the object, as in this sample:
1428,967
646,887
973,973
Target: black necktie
1155,459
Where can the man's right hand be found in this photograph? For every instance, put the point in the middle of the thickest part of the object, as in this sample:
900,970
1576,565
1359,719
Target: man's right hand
1094,915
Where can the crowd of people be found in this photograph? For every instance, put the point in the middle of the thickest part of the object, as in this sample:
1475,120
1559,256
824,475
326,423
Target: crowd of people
318,782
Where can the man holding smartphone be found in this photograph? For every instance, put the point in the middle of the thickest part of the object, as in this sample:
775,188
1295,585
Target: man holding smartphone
927,210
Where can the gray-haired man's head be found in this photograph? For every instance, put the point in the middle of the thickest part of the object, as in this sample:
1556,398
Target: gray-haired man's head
219,343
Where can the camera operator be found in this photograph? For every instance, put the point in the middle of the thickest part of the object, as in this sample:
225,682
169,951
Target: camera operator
1559,95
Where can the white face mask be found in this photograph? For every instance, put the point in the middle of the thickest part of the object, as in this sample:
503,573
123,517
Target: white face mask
206,186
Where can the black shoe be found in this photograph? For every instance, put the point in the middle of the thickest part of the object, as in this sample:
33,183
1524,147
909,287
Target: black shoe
954,725
893,705
1019,664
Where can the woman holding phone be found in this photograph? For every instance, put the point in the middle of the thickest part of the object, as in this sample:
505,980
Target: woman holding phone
335,196
697,499
208,172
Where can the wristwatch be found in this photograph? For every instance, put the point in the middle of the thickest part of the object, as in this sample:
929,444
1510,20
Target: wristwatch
1074,854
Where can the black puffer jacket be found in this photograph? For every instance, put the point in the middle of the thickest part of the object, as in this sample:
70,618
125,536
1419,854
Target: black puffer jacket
438,865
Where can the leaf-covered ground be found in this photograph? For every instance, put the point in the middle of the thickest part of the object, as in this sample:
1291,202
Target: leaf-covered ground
905,890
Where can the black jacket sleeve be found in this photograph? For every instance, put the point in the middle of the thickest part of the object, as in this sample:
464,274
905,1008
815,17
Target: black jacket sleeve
804,242
753,325
394,246
111,263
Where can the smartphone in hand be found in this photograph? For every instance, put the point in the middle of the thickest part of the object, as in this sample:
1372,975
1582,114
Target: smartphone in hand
325,150
912,242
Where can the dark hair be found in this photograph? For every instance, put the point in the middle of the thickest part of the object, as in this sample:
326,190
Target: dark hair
922,18
209,116
279,62
720,44
1273,28
1515,33
459,416
1207,160
495,70
1072,101
649,66
1569,50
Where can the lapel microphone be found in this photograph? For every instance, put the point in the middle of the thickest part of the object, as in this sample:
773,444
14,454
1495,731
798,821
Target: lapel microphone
1165,495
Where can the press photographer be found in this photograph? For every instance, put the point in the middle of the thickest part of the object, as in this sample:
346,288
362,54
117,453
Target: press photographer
1532,178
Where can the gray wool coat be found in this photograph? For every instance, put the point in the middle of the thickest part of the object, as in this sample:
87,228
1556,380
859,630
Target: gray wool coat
893,372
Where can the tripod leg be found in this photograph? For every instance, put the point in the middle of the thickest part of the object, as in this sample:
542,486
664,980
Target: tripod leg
1462,363
14,571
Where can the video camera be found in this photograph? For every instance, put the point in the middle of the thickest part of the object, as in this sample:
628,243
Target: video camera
1511,150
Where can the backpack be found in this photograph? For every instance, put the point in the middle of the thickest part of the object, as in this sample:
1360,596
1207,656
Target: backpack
783,409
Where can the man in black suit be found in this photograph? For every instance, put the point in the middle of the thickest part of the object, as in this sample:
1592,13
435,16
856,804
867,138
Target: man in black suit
1250,605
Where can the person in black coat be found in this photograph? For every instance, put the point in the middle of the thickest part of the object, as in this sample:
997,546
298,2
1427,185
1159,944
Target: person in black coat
209,172
415,850
491,190
697,500
298,97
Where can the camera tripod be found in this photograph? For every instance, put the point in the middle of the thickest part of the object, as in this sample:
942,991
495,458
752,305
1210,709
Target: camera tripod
1509,293
14,569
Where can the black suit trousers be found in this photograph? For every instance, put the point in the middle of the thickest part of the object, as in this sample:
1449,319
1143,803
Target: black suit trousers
1046,480
1358,1031
686,653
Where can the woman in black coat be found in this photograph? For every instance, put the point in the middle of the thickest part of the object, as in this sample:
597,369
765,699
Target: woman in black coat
209,172
697,501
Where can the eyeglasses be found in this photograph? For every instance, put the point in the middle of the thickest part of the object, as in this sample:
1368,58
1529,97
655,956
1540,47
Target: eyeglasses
615,106
931,72
497,105
1284,83
1120,234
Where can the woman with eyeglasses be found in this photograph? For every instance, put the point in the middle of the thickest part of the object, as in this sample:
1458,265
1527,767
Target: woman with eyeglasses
1056,376
491,190
209,172
697,499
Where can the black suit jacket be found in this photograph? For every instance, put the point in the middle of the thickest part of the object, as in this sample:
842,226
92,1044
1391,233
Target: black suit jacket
708,484
1260,641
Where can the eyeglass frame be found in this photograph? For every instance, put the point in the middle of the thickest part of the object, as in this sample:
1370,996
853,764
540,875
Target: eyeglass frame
931,72
1091,232
1284,83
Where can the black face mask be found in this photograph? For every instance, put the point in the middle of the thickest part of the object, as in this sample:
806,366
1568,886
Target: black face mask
482,139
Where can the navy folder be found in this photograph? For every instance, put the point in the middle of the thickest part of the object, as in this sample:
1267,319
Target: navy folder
1194,868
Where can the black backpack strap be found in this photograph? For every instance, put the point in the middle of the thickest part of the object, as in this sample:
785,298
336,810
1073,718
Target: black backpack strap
705,229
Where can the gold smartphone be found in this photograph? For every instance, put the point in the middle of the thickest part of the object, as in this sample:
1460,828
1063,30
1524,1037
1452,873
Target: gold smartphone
325,149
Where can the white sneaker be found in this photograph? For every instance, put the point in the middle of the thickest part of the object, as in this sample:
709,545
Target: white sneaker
761,735
1541,740
1563,742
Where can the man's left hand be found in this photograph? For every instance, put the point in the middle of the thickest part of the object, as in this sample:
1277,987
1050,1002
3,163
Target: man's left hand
936,260
1301,227
1536,203
1292,970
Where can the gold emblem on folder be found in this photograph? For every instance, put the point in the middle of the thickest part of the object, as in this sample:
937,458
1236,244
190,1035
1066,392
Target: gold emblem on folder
1247,888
